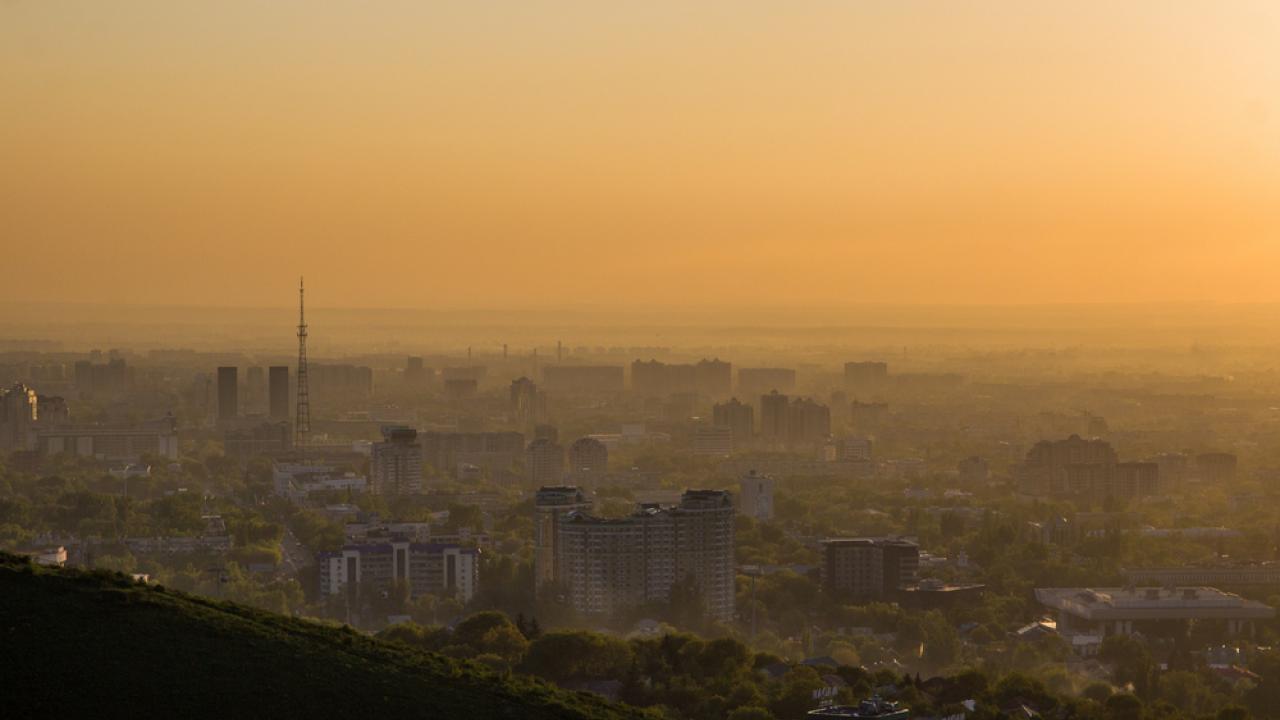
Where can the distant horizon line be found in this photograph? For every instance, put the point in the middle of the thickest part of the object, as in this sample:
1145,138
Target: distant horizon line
602,308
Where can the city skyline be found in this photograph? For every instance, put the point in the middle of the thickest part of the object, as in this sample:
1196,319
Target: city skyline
567,360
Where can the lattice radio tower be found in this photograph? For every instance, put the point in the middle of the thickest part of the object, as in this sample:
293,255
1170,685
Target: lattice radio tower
302,424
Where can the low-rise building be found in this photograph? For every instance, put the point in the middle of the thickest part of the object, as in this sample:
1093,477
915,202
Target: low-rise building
48,556
1229,575
124,442
298,480
1121,611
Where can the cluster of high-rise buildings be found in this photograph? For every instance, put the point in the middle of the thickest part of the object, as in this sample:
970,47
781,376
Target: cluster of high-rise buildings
708,378
275,392
799,423
1089,467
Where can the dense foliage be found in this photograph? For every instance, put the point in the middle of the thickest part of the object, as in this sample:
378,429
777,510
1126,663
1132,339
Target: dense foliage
77,644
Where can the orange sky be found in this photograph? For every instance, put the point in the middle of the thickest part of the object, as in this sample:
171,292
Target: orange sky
430,154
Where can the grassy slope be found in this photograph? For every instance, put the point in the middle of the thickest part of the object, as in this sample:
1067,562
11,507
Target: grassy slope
76,644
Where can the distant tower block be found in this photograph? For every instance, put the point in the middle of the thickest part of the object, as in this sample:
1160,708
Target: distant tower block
278,392
228,395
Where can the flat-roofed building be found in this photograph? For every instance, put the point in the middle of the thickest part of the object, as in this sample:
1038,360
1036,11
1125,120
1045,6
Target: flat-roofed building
1119,611
584,379
114,442
248,441
808,422
864,569
544,462
1230,575
588,460
228,394
864,376
738,417
757,381
278,392
427,568
298,480
755,496
395,464
550,505
613,565
774,416
712,441
491,451
19,414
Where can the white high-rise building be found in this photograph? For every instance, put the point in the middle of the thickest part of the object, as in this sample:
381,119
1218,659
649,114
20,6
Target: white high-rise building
755,496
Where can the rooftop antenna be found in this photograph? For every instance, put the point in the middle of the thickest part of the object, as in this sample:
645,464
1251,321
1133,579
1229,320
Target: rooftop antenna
302,423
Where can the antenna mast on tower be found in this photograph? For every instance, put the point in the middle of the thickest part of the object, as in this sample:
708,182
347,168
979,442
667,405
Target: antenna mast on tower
302,424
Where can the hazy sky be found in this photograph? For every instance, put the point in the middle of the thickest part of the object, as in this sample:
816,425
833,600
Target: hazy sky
432,154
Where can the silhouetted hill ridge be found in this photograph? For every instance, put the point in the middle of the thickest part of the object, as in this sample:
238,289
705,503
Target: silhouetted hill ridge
97,644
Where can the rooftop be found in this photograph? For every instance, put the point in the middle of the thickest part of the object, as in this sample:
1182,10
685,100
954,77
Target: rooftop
1151,603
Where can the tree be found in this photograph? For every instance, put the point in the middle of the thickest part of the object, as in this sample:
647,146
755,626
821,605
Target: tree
1233,712
796,695
471,632
565,655
1123,707
506,642
1097,692
1130,657
750,712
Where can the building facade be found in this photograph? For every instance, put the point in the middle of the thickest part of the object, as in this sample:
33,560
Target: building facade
544,462
863,569
755,496
713,441
738,417
610,565
808,422
121,442
774,415
860,377
550,505
19,413
588,460
395,464
278,393
428,568
758,381
228,394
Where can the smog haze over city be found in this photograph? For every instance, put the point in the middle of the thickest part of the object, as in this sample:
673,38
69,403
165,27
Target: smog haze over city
668,360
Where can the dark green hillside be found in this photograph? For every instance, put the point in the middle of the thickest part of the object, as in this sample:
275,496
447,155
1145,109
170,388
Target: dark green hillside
78,644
